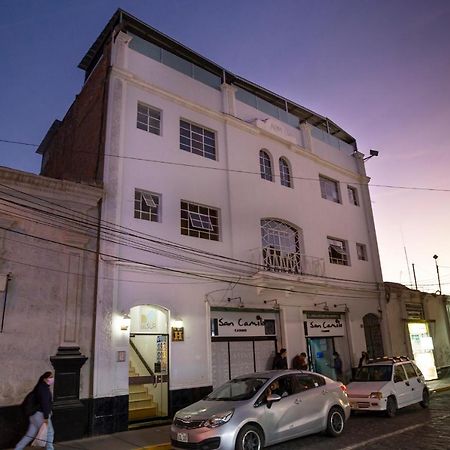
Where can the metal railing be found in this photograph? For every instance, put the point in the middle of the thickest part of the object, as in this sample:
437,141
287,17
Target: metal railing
274,260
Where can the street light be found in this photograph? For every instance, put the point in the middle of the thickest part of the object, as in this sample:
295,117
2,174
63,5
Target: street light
437,271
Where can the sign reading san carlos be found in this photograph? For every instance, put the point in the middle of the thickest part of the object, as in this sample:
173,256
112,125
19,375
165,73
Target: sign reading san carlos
325,327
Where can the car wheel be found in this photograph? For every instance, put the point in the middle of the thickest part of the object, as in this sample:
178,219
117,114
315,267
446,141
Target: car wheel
425,403
335,421
250,438
391,407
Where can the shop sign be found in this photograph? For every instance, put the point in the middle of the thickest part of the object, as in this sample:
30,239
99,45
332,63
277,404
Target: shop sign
325,327
233,324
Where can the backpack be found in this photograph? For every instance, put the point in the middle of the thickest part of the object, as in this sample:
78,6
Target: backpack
30,404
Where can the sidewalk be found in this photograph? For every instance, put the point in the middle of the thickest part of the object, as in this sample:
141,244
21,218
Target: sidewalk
158,437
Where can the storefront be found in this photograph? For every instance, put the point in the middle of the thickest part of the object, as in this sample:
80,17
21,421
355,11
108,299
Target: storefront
242,341
325,334
422,348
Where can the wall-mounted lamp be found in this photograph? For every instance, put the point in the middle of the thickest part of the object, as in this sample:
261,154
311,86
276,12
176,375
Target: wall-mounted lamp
177,330
241,303
325,305
275,303
372,153
346,308
125,321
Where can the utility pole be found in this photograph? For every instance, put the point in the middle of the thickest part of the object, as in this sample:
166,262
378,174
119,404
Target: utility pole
437,271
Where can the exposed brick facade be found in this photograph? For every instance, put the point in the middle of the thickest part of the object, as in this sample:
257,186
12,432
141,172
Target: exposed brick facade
75,150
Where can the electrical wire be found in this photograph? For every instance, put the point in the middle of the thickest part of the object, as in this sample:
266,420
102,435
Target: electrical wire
220,169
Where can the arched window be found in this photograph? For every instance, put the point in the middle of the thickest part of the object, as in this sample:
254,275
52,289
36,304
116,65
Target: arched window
265,165
285,173
281,246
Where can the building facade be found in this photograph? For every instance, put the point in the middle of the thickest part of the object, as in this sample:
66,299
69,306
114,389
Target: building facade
48,245
420,328
234,222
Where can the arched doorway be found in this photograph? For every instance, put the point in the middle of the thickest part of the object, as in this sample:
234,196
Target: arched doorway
148,373
374,339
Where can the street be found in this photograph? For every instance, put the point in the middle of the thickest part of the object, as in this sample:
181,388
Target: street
412,428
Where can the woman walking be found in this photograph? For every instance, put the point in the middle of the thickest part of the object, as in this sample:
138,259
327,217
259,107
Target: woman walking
43,398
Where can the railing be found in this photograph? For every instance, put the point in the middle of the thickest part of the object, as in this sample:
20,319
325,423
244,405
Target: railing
142,379
274,260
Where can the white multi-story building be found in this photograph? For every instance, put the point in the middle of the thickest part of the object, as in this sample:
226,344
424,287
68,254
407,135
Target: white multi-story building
234,222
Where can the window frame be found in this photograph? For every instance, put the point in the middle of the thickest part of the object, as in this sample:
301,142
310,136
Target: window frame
154,212
266,172
188,212
353,196
149,128
326,182
200,145
283,175
363,247
345,260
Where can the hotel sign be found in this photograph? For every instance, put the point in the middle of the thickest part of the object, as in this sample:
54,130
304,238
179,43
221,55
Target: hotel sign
324,327
233,324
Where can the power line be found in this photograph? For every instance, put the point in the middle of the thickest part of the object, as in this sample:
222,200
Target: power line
247,172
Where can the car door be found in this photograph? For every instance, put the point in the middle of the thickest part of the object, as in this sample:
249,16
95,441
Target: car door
414,382
401,386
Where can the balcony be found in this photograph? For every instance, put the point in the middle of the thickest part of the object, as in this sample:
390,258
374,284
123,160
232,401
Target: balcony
274,260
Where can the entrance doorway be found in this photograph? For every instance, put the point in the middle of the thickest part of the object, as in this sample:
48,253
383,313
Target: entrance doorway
149,364
320,355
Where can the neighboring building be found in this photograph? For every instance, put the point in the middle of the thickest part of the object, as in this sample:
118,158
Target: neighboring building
242,223
48,241
420,328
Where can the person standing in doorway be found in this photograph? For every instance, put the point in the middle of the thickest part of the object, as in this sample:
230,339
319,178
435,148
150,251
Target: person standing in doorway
43,398
337,365
299,362
280,361
363,360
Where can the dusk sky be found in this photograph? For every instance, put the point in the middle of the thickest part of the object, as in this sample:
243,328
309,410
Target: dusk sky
379,69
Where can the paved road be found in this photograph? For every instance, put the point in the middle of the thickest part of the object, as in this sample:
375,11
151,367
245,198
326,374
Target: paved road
413,428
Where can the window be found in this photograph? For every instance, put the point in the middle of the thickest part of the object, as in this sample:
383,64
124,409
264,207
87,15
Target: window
329,189
399,374
147,205
197,140
353,195
265,166
410,372
337,251
199,221
361,250
280,246
285,174
148,119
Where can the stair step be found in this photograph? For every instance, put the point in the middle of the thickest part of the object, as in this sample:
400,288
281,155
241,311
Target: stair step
142,413
135,396
135,404
136,388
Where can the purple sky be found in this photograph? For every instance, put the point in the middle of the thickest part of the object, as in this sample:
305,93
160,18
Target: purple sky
380,69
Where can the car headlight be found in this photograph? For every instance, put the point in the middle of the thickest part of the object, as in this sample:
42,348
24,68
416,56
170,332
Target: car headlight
219,419
378,395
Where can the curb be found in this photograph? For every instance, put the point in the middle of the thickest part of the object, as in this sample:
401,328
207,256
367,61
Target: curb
441,389
165,446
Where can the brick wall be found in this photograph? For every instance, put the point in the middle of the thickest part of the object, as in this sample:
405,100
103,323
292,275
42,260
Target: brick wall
75,151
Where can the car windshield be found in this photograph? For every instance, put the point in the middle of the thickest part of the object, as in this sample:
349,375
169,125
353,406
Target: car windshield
237,389
374,373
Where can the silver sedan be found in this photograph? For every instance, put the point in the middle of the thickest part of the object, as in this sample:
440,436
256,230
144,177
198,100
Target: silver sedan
259,409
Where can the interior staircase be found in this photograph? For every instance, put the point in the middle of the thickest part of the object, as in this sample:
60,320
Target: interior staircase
141,405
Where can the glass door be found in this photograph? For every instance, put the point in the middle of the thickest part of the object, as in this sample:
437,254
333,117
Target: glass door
321,356
148,377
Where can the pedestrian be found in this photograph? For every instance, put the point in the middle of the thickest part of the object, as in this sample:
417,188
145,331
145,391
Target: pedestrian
280,361
299,362
338,366
43,398
363,360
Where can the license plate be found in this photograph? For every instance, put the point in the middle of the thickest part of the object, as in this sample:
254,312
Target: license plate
182,437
